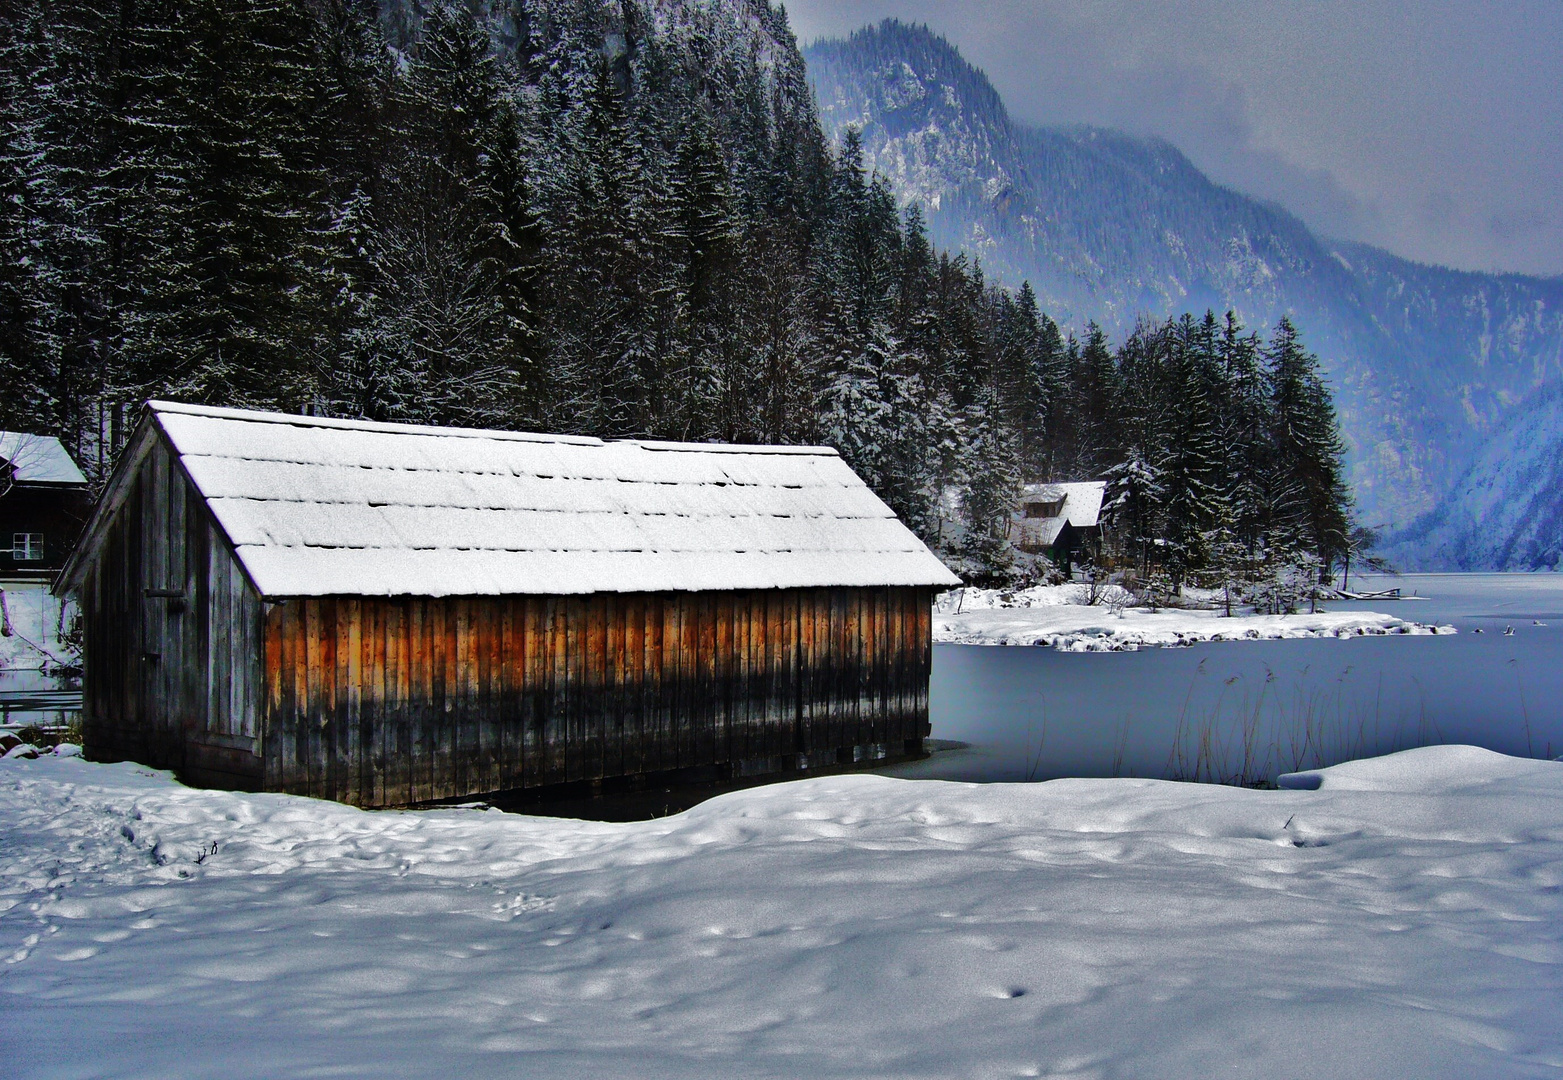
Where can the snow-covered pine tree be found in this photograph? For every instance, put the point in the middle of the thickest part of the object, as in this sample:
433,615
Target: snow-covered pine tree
854,415
365,367
782,340
702,244
916,319
1192,456
597,224
51,325
1049,378
362,367
454,250
1311,504
1027,374
149,276
1132,507
1245,430
1097,393
29,359
990,494
931,432
246,71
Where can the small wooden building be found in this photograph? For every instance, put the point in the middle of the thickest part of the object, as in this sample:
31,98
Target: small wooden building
43,505
1062,521
387,614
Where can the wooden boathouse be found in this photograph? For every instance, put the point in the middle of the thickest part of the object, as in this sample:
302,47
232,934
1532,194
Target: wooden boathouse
388,614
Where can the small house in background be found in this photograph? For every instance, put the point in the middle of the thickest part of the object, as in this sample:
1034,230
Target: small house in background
1061,521
44,503
388,614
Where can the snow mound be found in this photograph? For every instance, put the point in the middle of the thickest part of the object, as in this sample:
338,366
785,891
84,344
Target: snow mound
853,926
1429,769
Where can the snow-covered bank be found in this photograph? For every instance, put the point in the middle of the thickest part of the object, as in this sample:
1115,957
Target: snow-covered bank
1405,919
1062,617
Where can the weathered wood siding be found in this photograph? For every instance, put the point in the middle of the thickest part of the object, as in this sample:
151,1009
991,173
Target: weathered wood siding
384,702
172,637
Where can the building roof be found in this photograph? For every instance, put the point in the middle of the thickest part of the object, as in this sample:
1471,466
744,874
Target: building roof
1082,508
39,459
317,507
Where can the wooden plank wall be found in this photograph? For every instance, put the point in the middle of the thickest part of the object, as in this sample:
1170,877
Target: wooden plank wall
171,681
384,702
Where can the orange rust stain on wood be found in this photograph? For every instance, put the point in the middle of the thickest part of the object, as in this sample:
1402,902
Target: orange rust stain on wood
391,701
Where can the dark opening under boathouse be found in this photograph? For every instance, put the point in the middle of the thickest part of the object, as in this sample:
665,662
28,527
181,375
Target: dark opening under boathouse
387,614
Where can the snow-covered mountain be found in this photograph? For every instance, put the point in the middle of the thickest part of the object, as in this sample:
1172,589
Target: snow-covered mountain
1435,370
1506,512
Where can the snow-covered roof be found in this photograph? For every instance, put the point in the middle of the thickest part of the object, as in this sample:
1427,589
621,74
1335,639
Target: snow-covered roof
38,459
1081,507
1082,500
317,507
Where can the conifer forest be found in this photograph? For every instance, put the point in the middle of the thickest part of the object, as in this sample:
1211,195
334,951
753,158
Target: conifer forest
610,218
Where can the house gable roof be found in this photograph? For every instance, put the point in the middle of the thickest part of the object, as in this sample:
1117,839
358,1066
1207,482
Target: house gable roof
39,459
317,507
1082,507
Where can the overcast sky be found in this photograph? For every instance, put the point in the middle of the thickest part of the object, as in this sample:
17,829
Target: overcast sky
1433,129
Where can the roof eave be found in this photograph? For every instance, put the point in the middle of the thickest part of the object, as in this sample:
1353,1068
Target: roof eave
148,431
79,485
114,494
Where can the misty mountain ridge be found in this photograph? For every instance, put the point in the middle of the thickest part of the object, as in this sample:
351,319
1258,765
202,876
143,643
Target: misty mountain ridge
1429,364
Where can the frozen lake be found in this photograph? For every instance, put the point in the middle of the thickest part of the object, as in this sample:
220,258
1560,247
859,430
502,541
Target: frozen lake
1249,710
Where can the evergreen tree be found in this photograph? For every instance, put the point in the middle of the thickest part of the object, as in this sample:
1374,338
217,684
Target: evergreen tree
52,325
1132,506
856,417
245,150
703,249
1030,360
990,494
28,363
454,250
1310,506
1244,422
1192,461
1096,395
362,367
609,372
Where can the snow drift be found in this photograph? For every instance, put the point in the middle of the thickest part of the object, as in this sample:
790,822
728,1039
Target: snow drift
1404,919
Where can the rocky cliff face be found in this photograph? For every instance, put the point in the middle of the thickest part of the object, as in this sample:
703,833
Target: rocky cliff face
1433,368
1506,511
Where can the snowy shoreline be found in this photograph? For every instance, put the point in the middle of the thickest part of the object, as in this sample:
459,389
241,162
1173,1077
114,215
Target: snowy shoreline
1059,617
1392,918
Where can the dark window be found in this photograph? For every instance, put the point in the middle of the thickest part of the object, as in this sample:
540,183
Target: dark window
1044,509
27,547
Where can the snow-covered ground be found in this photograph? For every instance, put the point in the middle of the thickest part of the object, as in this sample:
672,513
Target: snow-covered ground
1405,919
1061,616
